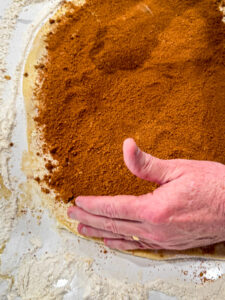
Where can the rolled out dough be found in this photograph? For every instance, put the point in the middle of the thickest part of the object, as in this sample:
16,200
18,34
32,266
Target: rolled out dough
59,209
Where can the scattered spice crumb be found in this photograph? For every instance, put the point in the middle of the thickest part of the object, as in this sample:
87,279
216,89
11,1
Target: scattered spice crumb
51,21
37,179
45,190
49,166
201,274
25,74
46,177
7,77
39,66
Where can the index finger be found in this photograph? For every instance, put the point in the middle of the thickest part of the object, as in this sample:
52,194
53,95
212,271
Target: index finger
120,207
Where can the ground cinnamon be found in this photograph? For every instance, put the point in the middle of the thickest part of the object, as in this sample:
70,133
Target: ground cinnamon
151,70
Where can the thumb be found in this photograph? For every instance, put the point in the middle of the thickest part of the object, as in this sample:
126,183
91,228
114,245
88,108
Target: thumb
147,167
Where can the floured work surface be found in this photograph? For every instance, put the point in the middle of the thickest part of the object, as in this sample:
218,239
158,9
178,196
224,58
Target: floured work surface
104,71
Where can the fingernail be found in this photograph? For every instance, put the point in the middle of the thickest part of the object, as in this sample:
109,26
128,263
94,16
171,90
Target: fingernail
105,242
137,151
70,213
79,228
77,202
83,230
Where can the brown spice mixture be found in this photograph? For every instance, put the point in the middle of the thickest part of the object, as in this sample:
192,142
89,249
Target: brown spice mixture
151,70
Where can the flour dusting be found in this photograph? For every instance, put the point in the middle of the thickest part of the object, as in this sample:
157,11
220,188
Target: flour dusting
67,275
62,274
8,205
66,271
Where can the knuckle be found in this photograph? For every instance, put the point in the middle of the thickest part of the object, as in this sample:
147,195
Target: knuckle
156,219
159,239
109,210
156,238
159,217
110,226
148,162
146,237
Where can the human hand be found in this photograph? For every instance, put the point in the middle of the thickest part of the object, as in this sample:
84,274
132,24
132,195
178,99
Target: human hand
186,211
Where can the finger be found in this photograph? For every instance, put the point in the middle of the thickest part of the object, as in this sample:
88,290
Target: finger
122,244
99,233
123,227
146,166
120,207
152,208
129,245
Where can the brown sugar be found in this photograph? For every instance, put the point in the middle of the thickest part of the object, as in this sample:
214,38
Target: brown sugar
151,70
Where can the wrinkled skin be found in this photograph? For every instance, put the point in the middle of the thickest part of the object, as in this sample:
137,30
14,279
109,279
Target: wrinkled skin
186,211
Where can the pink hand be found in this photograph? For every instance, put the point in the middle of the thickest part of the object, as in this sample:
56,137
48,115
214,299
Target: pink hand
186,211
